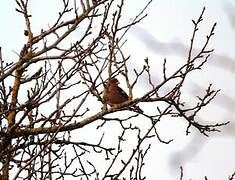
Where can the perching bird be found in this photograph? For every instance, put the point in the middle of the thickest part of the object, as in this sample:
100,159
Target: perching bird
115,95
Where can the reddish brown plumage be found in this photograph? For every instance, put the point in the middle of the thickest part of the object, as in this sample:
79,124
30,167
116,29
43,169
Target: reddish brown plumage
115,95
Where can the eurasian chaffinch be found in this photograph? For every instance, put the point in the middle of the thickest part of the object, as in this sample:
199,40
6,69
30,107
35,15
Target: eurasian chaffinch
115,95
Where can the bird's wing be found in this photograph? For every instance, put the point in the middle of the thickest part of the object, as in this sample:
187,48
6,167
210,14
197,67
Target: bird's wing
123,93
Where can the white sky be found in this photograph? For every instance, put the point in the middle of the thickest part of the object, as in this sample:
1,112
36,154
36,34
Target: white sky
168,22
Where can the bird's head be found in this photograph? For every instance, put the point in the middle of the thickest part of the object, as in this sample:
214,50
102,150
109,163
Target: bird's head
113,81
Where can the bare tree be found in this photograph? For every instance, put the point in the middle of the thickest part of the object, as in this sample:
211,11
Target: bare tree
55,123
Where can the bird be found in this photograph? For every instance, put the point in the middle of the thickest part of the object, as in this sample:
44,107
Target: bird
116,95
